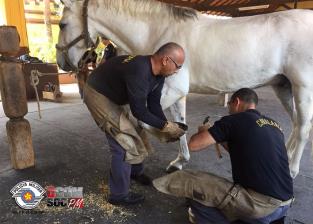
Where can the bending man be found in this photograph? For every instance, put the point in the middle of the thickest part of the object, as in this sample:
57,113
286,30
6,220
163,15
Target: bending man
136,81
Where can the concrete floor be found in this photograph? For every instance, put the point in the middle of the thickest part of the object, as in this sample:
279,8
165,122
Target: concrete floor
71,151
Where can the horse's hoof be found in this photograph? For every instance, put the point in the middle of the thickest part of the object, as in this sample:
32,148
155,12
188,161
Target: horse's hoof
171,169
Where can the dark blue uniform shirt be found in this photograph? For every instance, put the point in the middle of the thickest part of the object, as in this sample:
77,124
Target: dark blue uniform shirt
129,80
257,152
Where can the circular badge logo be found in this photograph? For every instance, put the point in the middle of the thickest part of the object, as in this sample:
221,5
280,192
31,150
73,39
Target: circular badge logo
27,194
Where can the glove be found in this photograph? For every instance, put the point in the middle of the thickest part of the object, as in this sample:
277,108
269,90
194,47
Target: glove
173,130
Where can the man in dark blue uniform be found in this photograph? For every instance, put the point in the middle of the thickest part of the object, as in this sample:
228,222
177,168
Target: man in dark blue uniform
137,81
257,152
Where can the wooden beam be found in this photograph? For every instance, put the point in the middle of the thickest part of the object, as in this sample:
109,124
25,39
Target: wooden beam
286,6
229,9
37,12
207,4
271,8
250,4
41,21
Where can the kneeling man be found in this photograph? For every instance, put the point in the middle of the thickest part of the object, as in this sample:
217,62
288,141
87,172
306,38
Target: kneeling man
262,188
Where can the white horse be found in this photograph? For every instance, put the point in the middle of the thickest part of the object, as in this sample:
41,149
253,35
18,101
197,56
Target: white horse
222,55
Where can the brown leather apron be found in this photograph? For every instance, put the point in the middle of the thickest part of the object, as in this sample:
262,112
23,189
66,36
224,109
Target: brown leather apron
231,199
115,120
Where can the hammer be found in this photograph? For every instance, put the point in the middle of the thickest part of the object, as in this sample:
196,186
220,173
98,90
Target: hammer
217,146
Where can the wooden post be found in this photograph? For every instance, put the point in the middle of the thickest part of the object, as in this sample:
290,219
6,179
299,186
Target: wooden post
9,40
21,145
13,90
13,94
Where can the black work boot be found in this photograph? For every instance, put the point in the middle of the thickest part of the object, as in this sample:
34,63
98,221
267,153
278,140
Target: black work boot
130,199
142,179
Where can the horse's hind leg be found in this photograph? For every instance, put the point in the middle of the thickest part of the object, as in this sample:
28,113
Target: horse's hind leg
303,97
178,110
283,91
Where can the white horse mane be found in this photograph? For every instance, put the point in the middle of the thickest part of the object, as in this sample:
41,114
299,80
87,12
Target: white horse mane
142,8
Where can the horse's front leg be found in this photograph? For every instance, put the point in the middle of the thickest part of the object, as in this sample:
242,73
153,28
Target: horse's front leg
178,111
174,95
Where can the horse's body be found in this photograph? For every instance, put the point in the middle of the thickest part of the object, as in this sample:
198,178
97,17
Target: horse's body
222,55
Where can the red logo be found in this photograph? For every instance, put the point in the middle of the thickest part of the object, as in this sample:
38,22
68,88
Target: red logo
76,203
51,192
71,197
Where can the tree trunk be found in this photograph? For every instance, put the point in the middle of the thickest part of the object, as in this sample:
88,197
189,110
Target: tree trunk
47,14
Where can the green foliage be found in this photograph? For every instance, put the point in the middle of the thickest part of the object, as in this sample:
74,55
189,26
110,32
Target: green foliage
38,42
39,46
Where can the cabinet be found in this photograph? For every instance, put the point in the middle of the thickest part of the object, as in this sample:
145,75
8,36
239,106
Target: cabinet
44,68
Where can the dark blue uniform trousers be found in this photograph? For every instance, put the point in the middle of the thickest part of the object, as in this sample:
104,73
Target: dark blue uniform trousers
119,180
207,215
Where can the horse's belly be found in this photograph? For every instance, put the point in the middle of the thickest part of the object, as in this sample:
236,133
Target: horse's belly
222,84
203,89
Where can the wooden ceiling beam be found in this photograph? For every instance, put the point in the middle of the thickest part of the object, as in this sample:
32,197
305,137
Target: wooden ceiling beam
271,8
286,6
202,7
205,5
208,7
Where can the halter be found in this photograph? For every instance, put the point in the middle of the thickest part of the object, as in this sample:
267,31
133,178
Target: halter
84,36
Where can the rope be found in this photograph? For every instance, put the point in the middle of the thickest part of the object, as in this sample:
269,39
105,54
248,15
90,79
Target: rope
34,82
34,79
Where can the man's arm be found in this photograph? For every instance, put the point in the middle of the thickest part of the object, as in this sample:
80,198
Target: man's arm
137,96
220,130
200,140
140,111
153,102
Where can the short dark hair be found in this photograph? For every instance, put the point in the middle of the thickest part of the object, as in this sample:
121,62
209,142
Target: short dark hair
167,48
246,95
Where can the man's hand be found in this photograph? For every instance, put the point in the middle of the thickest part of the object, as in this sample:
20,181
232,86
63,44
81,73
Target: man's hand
173,130
204,127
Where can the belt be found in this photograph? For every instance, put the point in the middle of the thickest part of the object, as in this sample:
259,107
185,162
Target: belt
269,199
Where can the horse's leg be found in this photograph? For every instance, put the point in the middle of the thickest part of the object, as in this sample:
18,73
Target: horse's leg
283,91
174,95
303,97
178,110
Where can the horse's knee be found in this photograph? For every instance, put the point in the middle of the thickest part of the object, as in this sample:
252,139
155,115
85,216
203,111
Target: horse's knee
304,131
294,168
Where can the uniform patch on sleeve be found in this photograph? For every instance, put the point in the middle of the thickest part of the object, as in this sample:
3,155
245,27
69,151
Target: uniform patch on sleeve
263,121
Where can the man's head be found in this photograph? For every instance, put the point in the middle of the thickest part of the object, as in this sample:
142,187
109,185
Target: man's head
242,100
168,59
